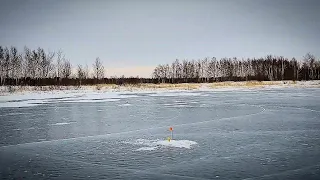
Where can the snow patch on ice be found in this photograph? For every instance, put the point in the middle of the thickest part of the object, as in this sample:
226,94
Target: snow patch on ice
176,93
147,148
177,143
149,145
181,106
14,114
62,123
89,100
121,105
27,103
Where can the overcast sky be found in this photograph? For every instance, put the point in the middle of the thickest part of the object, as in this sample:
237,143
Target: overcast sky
133,36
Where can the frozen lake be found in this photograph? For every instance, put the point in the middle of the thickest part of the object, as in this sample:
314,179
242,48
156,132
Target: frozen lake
247,134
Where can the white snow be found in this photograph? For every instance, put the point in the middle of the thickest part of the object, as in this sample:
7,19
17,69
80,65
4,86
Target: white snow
127,104
147,148
62,123
177,93
176,143
149,145
89,100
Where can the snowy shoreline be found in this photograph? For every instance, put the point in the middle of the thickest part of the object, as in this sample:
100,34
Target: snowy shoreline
6,90
16,96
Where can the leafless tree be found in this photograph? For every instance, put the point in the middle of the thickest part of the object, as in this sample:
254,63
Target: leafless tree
2,65
310,61
98,69
66,69
59,64
16,64
80,73
86,71
45,63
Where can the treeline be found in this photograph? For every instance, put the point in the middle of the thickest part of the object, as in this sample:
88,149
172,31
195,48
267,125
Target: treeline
40,68
36,67
269,68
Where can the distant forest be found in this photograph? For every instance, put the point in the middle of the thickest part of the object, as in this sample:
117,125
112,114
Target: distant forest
39,68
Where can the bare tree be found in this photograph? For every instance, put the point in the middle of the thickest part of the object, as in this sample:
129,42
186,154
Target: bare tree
50,68
310,59
156,73
178,69
80,73
27,62
45,63
2,68
66,69
16,64
7,62
98,69
59,64
86,71
211,69
32,61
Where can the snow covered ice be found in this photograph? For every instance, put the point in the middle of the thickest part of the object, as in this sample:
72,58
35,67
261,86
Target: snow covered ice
269,133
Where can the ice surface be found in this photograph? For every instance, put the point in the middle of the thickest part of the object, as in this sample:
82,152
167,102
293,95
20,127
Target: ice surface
258,134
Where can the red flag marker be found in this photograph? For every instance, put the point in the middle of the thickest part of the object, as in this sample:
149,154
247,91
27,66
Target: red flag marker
171,129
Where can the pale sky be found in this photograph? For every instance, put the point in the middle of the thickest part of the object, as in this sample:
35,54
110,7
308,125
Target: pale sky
131,37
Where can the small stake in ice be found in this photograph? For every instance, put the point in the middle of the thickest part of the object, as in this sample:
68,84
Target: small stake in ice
171,129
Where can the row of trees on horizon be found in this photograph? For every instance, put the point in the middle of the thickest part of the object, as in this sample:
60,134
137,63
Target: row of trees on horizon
38,67
269,68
